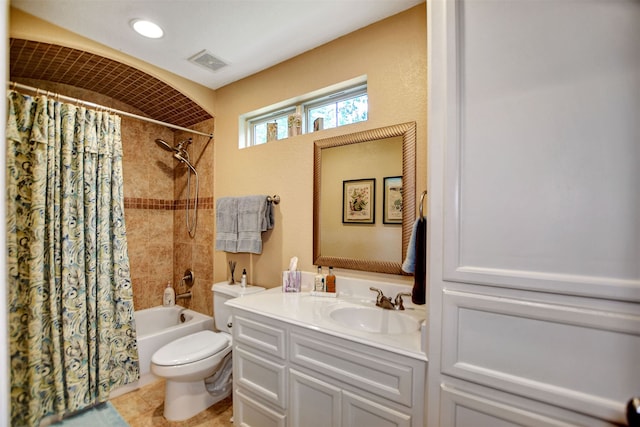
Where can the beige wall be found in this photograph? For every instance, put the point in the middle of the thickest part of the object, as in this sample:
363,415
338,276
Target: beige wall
392,53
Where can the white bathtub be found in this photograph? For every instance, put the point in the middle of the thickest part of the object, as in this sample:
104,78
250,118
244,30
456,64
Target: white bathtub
156,327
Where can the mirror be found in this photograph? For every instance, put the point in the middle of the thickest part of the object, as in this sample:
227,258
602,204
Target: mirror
363,234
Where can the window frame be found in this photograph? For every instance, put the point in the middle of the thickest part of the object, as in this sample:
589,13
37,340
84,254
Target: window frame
333,98
301,105
264,119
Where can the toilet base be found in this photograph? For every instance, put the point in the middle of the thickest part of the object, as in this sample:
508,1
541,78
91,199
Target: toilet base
183,400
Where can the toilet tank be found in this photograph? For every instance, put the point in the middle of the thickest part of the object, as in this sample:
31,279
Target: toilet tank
223,292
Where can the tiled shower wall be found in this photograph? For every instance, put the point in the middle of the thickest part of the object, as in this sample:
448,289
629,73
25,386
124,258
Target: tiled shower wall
160,248
148,189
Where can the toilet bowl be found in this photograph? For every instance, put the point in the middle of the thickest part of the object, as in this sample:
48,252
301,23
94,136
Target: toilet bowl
197,367
184,364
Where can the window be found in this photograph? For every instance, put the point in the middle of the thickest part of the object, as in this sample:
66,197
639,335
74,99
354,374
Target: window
339,109
335,106
258,126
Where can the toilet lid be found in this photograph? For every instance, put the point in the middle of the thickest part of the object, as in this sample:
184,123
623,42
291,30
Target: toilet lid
190,348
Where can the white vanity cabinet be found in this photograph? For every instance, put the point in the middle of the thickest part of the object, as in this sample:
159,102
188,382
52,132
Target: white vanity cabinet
259,372
286,375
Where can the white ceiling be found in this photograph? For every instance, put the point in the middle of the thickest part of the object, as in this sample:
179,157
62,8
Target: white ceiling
249,35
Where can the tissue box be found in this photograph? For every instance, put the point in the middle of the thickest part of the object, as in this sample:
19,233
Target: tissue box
291,281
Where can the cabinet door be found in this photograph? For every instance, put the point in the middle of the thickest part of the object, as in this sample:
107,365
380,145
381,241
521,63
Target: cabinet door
248,412
360,412
469,405
543,161
260,376
313,403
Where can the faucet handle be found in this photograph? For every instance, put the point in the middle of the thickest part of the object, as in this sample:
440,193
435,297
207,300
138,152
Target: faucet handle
380,294
399,304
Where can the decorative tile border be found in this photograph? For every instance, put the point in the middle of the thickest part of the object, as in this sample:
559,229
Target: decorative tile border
162,204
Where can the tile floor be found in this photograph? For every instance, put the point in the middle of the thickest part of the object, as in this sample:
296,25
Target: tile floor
144,407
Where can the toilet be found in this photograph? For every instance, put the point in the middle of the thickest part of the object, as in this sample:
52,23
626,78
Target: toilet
197,367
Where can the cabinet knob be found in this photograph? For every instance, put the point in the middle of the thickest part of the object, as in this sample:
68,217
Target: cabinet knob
633,412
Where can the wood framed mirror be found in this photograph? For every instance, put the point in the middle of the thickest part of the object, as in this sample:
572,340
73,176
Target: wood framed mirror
375,243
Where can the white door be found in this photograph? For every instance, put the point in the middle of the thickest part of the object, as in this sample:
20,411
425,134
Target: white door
534,206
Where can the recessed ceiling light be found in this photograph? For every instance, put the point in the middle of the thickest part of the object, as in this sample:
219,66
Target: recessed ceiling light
147,28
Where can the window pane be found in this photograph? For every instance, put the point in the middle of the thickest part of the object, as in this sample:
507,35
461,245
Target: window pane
353,110
260,130
283,127
327,112
260,134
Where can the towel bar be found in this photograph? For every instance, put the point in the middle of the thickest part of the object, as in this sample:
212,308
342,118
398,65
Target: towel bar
424,193
275,199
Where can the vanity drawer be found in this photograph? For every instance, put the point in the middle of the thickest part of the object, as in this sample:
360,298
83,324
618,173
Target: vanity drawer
249,412
390,376
260,335
260,376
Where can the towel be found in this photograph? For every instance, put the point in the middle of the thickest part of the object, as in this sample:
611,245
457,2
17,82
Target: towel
227,224
416,260
418,294
255,215
409,264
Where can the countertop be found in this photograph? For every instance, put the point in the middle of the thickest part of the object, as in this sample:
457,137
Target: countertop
312,312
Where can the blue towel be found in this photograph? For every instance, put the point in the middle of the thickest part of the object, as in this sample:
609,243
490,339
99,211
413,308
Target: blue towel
409,264
419,291
415,261
227,224
255,215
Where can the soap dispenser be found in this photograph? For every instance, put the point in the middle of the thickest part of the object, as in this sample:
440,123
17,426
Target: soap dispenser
318,281
330,282
169,297
243,281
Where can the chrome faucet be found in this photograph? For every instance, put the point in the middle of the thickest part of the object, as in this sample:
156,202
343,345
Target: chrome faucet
381,300
386,303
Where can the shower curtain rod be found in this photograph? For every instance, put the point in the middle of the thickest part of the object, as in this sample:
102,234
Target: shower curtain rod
14,85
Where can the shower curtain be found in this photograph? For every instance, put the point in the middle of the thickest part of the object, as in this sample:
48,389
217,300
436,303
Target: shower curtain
71,330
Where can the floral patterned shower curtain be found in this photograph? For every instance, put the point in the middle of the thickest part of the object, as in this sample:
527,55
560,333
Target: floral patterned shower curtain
71,329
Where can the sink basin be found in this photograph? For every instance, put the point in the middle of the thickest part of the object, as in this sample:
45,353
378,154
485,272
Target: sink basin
375,320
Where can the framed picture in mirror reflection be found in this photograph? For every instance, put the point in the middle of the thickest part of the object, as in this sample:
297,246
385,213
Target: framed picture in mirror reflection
358,201
392,200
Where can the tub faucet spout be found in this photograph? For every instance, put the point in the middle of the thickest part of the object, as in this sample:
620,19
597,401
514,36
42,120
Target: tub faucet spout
184,295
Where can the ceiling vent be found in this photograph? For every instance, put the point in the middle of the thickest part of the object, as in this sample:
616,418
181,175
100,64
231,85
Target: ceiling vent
207,60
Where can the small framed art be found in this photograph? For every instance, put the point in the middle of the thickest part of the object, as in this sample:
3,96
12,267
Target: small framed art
392,200
358,201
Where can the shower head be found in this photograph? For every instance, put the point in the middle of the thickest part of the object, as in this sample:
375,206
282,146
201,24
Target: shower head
164,144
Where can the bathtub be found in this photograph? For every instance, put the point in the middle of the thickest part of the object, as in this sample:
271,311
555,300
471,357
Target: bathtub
156,327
